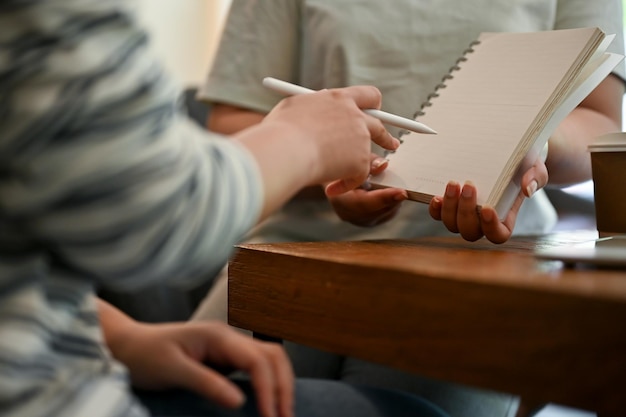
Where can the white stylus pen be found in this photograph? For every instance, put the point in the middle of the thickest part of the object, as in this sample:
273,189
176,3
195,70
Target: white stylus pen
402,122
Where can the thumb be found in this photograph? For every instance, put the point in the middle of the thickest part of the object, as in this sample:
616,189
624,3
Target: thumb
377,164
339,187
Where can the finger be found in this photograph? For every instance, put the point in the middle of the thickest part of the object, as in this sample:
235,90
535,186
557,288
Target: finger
339,187
365,96
234,349
198,378
468,221
368,207
374,200
370,201
434,207
377,164
249,356
495,230
380,135
368,97
263,380
509,221
535,178
511,216
284,378
449,206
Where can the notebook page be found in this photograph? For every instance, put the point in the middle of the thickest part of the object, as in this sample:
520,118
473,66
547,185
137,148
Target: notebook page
592,75
490,104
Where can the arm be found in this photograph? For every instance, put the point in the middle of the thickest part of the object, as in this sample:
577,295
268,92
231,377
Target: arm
173,355
568,160
227,119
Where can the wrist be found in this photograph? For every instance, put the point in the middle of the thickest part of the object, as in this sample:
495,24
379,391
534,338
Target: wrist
117,327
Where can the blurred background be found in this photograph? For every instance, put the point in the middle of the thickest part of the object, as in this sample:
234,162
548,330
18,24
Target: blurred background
184,34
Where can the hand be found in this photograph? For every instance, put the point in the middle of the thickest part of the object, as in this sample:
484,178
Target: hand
460,214
369,208
340,132
161,356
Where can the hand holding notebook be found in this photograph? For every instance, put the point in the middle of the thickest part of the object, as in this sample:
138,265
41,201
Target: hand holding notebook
495,111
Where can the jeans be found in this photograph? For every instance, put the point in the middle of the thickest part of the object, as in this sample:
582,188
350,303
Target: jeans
313,398
456,400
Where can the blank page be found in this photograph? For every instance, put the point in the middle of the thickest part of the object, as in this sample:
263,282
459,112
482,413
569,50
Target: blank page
494,105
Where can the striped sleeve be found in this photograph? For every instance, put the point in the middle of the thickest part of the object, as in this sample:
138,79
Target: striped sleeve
97,161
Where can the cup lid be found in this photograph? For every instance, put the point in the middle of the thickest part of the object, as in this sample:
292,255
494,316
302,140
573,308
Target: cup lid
611,142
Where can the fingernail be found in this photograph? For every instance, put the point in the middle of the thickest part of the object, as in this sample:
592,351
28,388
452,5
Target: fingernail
400,197
467,192
451,190
379,162
532,188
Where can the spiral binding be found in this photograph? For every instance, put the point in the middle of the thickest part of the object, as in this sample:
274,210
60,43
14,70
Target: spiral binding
442,84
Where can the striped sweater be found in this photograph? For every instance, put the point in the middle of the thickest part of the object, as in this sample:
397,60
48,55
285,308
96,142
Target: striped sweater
103,182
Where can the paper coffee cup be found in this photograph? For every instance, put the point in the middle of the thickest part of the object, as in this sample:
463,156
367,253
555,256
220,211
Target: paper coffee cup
608,164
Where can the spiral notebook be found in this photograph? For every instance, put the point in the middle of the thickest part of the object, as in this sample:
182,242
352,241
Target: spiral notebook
495,110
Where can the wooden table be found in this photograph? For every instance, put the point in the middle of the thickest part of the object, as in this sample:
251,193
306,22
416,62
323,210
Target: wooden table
473,313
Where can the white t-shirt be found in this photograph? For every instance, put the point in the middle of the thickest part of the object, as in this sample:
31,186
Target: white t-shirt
402,47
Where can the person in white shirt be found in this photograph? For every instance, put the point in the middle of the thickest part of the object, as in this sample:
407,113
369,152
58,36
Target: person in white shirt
404,48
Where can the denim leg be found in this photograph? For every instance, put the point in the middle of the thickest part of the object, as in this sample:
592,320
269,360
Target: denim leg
323,398
456,400
314,398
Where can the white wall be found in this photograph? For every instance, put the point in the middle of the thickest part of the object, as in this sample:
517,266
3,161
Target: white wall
184,34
